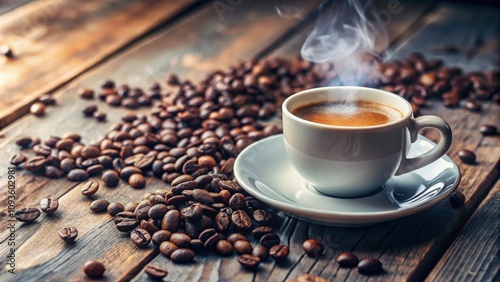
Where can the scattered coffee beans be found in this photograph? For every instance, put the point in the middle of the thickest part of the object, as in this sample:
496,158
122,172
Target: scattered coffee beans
100,205
369,266
457,199
224,248
49,205
90,188
467,156
347,260
38,109
68,234
313,248
155,272
140,237
488,129
261,252
94,269
137,181
7,52
27,214
110,178
182,255
249,262
115,208
279,253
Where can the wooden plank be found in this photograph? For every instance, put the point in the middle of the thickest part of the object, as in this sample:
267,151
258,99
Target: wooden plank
9,5
473,256
67,38
235,37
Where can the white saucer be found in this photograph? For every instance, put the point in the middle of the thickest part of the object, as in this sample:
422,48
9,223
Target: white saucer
263,170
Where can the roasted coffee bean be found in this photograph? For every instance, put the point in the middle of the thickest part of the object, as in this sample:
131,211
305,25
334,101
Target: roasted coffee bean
86,93
242,247
181,178
49,205
137,181
223,221
94,269
155,272
457,199
38,109
89,110
100,205
67,165
207,233
279,253
110,178
127,171
241,220
347,260
260,231
249,262
115,208
171,221
140,237
95,169
238,202
149,225
472,105
99,116
7,52
68,234
261,252
35,164
158,211
160,236
467,156
369,266
126,221
188,185
270,240
42,150
167,248
181,240
175,200
17,159
27,214
52,172
313,248
90,188
223,248
23,141
488,129
232,238
192,213
182,255
212,241
229,185
77,175
203,197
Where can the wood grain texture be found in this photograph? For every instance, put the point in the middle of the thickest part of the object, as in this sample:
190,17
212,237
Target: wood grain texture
146,62
473,256
8,5
56,40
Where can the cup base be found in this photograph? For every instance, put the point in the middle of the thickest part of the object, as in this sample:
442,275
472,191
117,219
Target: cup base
312,189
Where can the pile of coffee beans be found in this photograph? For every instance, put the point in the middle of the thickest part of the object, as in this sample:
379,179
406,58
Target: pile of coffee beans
190,141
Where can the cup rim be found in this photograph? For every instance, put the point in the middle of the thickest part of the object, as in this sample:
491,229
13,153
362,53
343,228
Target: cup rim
406,115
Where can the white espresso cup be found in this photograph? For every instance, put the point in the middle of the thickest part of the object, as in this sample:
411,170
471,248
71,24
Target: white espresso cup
354,161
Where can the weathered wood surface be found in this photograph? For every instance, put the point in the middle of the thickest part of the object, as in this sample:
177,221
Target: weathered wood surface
56,40
234,37
8,5
409,247
473,256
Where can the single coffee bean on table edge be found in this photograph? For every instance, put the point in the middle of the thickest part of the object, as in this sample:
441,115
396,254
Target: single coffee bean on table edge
467,156
68,234
27,214
38,109
155,272
369,266
313,248
49,205
94,269
347,260
457,199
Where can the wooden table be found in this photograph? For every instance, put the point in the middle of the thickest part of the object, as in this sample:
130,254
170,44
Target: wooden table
61,46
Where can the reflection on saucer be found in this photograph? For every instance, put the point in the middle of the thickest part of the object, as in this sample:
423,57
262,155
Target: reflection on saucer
263,170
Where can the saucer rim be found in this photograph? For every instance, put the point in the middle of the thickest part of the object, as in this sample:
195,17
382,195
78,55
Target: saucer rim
379,216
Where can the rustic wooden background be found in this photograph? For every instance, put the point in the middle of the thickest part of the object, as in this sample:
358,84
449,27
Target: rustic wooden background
61,46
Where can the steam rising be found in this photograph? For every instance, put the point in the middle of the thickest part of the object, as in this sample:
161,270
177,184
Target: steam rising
344,36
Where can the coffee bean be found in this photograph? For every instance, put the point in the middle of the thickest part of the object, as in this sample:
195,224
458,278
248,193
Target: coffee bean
488,129
90,188
249,262
467,156
472,105
49,205
155,272
211,241
7,51
89,110
27,214
149,225
457,199
95,169
347,260
167,248
241,220
369,266
68,234
86,93
137,181
67,165
202,196
94,269
35,164
313,248
77,175
99,116
260,231
181,240
232,238
127,171
222,221
171,221
182,255
110,178
17,159
38,109
126,221
23,141
224,248
192,213
100,205
158,211
42,150
115,208
187,185
238,202
160,236
242,247
270,240
261,252
140,237
279,253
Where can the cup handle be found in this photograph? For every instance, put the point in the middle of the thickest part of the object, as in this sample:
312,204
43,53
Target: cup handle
417,124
